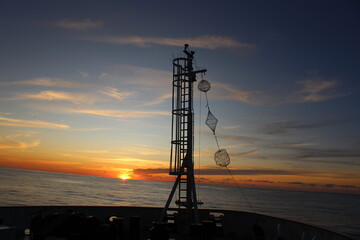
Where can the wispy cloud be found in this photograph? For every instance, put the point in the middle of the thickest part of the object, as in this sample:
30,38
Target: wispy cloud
50,82
116,93
308,152
74,97
83,74
312,89
12,122
104,94
326,185
230,127
207,41
135,75
159,100
221,171
121,114
285,126
319,90
5,113
235,94
14,142
153,84
247,153
93,151
80,25
259,181
89,129
241,138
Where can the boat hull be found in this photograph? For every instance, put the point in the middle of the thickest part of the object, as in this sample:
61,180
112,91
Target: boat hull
233,224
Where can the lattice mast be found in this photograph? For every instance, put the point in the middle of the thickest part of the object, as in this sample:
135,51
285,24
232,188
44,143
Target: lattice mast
182,136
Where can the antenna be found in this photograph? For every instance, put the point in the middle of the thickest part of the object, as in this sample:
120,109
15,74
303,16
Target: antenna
182,137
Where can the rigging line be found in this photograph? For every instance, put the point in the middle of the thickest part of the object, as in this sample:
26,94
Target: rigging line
243,193
199,141
217,142
207,102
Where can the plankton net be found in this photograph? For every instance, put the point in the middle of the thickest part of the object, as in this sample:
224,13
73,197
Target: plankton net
221,157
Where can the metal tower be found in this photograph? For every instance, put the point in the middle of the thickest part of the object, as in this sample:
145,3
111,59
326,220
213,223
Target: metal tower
182,136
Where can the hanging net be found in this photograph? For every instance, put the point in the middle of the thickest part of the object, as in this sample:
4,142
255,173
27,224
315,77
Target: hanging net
222,158
211,121
204,86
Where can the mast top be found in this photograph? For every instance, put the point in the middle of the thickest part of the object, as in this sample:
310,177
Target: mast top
190,54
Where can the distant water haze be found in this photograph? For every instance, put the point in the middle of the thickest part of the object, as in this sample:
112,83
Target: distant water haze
334,211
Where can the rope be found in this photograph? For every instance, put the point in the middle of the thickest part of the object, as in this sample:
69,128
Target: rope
199,158
242,192
207,101
217,142
228,170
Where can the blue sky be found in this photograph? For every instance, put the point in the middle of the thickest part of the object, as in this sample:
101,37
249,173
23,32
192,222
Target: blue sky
85,88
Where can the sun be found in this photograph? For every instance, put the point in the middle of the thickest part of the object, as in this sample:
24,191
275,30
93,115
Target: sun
124,176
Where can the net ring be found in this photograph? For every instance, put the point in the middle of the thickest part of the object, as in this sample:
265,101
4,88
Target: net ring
222,158
204,86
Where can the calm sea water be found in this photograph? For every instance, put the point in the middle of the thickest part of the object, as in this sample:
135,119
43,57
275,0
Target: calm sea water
338,212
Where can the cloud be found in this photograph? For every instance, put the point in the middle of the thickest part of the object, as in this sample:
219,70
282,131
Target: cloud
93,151
139,76
241,138
147,150
11,122
116,93
305,152
121,114
89,129
230,127
105,94
296,145
222,171
146,171
18,142
50,82
154,84
226,91
260,181
83,74
243,153
207,41
319,90
285,126
348,186
326,185
81,25
74,97
313,89
308,152
159,100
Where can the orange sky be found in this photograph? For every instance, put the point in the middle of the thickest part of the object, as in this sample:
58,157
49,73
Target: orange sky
88,90
257,178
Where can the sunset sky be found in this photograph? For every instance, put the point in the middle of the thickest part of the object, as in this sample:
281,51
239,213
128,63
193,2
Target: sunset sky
85,88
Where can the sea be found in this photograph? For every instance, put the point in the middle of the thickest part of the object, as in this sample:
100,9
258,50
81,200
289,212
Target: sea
333,211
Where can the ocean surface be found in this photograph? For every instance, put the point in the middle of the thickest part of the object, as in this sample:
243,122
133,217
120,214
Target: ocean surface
337,212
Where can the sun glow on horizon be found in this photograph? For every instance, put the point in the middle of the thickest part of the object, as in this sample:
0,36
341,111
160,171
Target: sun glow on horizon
124,176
